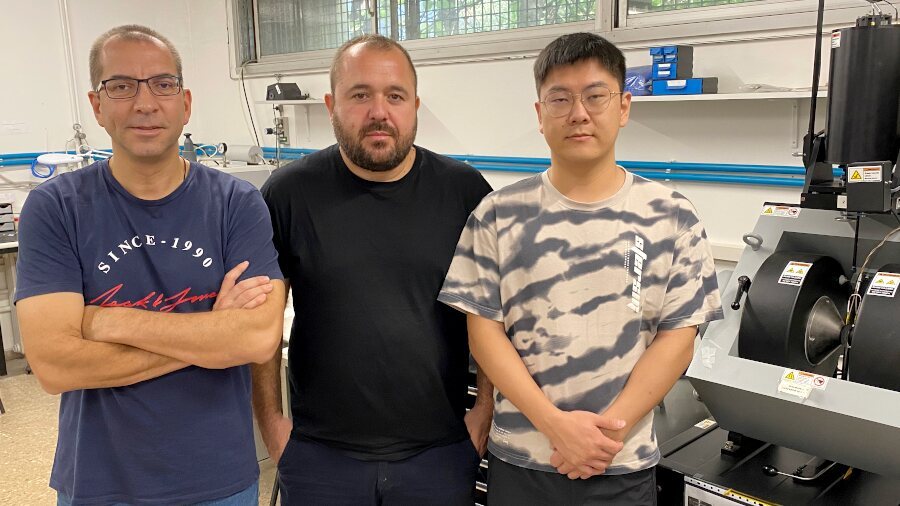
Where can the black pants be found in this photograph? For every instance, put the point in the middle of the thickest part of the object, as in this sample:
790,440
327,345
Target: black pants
311,473
517,486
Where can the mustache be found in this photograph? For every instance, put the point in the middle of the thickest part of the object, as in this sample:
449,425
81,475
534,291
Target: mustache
379,126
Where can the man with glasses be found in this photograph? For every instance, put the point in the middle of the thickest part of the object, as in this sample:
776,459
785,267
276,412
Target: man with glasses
125,305
584,287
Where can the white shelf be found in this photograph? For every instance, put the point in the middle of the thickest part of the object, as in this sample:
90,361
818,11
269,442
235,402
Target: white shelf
778,95
309,101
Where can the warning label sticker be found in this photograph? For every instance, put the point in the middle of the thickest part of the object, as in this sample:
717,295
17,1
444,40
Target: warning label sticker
884,284
794,273
864,174
835,39
801,383
705,424
781,211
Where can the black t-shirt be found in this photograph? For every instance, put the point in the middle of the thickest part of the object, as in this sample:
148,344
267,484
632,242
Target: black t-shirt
378,365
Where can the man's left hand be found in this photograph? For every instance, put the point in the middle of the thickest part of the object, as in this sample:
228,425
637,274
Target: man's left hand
478,422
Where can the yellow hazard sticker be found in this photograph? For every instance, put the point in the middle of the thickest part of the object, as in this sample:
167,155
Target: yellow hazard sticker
794,273
884,284
865,174
781,211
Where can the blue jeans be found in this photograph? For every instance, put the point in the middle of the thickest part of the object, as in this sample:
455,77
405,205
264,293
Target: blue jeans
247,497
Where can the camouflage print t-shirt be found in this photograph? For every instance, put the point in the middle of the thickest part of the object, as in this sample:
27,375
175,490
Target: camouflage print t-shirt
582,290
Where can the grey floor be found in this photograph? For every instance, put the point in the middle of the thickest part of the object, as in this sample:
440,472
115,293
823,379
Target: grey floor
28,439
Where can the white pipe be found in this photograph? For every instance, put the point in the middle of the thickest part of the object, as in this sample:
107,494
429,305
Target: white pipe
70,61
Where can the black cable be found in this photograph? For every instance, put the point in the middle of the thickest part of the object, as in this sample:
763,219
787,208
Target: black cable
249,111
855,244
817,68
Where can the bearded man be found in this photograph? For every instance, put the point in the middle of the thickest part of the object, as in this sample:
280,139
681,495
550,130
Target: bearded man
365,231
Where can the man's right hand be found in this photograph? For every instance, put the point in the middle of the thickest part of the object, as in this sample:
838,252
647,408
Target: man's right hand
577,436
247,294
276,434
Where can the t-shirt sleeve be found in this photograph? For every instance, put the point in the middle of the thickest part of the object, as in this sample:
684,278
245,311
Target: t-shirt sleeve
278,211
250,238
48,262
692,293
472,284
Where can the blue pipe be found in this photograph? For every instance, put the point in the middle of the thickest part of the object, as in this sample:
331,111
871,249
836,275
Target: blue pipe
629,164
652,170
478,161
710,178
652,174
21,155
16,163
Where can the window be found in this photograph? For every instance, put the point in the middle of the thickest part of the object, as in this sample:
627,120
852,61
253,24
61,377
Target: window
295,26
274,36
643,6
425,19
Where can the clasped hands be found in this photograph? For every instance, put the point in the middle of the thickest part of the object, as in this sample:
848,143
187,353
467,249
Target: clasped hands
584,443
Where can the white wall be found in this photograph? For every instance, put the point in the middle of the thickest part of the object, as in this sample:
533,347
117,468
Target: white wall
476,108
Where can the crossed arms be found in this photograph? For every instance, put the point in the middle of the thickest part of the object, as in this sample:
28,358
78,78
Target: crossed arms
81,347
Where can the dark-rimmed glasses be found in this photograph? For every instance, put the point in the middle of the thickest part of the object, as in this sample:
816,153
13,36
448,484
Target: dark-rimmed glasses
595,100
119,88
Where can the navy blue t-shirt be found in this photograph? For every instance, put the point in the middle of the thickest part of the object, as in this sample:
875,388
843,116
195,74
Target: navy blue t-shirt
183,437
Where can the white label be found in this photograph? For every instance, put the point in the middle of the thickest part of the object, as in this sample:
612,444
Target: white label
864,175
842,202
705,424
884,284
676,83
801,383
835,39
794,273
781,211
801,391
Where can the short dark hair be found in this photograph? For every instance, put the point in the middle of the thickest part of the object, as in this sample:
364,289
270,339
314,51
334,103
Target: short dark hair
131,33
575,47
371,41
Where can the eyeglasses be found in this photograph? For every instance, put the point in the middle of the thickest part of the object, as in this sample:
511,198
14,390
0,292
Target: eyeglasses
119,88
595,99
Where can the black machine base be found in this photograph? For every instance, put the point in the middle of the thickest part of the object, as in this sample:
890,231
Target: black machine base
693,457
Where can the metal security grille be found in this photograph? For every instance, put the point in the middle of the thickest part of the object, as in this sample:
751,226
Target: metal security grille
425,19
293,26
644,6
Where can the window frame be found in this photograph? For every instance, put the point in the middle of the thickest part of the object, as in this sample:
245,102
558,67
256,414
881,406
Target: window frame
714,24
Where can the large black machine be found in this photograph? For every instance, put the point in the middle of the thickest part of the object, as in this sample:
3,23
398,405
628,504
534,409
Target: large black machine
808,355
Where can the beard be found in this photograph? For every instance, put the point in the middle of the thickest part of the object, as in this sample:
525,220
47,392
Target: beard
380,159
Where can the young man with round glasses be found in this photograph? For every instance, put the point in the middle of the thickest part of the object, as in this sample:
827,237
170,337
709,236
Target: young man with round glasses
149,337
584,287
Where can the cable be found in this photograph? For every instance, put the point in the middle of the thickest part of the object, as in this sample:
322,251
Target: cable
202,149
817,67
896,14
34,165
249,110
871,254
855,243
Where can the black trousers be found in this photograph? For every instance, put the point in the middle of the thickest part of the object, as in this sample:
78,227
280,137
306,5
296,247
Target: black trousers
315,474
517,486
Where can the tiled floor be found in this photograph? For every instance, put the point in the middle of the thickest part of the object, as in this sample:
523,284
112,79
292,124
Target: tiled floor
28,440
